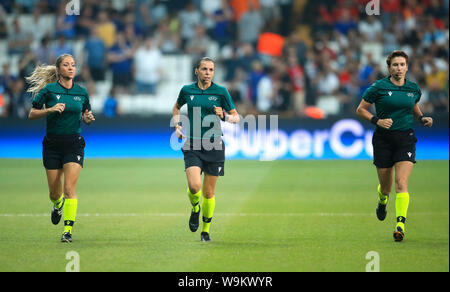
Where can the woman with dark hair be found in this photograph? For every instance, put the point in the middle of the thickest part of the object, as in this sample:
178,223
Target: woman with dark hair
394,143
204,151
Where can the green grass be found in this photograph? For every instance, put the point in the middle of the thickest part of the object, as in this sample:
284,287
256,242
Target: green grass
270,216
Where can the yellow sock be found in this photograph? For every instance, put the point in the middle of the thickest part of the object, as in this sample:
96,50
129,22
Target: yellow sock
382,197
70,212
58,202
194,199
401,208
208,206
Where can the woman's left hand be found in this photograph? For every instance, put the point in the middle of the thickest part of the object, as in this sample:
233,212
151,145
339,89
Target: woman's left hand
427,121
218,111
88,117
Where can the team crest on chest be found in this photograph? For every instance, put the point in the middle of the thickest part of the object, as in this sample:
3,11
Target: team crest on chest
58,97
410,94
390,93
213,98
192,97
77,98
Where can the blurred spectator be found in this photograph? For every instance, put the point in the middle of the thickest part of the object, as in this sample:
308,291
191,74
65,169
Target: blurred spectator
59,48
255,76
111,107
120,58
65,24
26,6
241,6
19,100
95,55
106,29
43,52
189,19
266,91
250,25
199,44
27,64
85,21
296,74
167,41
370,28
148,67
224,28
18,39
3,26
7,80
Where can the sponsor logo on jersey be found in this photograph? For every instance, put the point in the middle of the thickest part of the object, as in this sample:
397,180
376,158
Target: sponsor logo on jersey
192,97
390,93
410,94
77,98
213,98
58,97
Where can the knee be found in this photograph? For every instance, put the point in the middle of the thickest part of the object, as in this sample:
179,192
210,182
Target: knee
195,187
69,192
54,195
401,185
208,194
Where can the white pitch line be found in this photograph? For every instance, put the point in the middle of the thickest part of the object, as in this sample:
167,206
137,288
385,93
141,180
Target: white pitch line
217,214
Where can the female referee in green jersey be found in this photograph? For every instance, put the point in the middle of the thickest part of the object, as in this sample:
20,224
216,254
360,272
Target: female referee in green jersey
394,142
203,150
64,104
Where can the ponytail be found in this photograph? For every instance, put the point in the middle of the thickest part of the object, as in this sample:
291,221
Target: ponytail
41,76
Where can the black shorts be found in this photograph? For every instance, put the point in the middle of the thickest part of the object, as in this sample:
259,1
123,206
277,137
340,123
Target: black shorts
210,157
390,147
58,150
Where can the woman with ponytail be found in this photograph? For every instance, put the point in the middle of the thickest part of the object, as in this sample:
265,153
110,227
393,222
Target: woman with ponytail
64,104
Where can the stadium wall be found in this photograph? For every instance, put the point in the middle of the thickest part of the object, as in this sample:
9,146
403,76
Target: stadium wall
136,137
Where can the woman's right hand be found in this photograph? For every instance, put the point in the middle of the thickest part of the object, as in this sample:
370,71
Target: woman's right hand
57,108
178,132
385,123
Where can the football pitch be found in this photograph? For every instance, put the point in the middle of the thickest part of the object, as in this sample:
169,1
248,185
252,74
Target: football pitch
269,217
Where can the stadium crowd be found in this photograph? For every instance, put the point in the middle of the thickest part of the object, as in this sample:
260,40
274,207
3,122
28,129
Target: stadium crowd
278,56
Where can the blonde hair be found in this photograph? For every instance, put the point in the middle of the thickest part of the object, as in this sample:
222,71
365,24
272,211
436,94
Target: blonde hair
45,74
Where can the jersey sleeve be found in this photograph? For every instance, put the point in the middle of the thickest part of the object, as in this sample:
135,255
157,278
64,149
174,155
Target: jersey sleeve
227,101
181,100
86,103
40,98
419,94
370,95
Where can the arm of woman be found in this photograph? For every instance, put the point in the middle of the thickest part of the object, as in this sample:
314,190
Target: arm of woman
176,121
40,113
426,121
231,117
363,112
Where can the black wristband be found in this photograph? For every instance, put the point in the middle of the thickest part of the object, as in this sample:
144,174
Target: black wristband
223,119
421,119
177,124
374,120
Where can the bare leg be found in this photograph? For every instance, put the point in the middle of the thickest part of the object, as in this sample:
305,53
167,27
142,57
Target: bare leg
54,179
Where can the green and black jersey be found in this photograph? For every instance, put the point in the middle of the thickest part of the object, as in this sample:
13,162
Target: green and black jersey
76,100
203,122
395,102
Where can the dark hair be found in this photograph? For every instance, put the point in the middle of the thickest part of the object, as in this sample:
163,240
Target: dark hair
395,54
199,62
